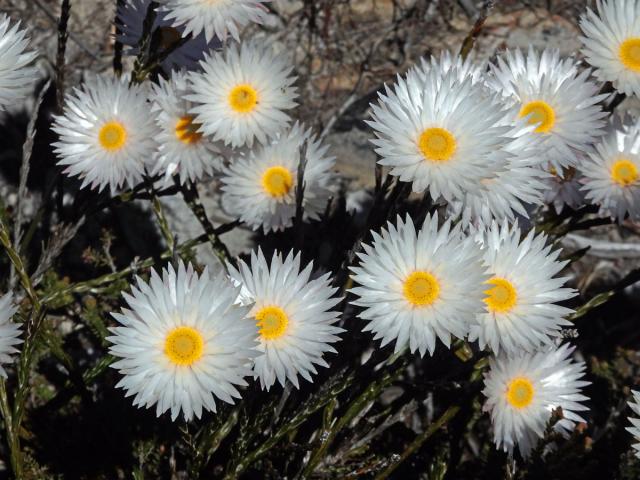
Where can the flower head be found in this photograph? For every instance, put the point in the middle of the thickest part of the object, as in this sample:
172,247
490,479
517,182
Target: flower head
260,188
183,342
106,133
522,391
17,76
293,314
440,130
612,172
419,286
183,150
612,43
242,94
556,97
521,311
217,17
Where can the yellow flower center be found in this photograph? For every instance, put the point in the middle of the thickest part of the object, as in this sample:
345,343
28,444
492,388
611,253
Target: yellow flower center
243,98
168,36
187,130
112,136
501,298
520,392
630,54
183,346
277,181
437,144
421,289
540,113
624,172
272,322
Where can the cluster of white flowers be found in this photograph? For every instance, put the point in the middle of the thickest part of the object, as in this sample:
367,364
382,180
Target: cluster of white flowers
492,141
493,287
219,110
180,345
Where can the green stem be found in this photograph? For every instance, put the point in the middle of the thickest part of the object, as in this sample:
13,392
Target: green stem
632,277
24,367
340,382
367,396
91,285
13,441
18,264
210,441
162,219
419,440
192,199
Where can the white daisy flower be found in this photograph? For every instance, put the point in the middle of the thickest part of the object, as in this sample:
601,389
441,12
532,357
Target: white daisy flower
293,314
612,43
553,95
129,20
612,173
260,188
218,17
522,391
182,149
419,286
106,133
634,429
439,132
564,189
9,332
242,93
17,77
521,312
182,342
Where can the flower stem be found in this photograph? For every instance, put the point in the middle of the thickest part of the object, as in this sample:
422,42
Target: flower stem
192,199
449,413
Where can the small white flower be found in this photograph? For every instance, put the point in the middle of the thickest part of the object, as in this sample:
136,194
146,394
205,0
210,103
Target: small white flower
260,188
612,43
634,429
106,133
242,93
215,17
556,97
293,313
17,77
522,391
182,149
419,286
440,132
521,312
612,173
182,342
130,19
9,332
